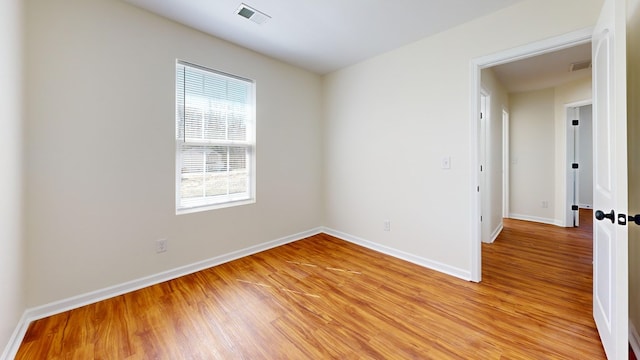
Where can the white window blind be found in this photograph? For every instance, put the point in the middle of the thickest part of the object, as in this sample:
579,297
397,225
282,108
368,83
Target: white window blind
215,151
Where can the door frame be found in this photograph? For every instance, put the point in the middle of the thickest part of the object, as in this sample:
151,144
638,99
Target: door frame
476,65
506,159
483,123
571,142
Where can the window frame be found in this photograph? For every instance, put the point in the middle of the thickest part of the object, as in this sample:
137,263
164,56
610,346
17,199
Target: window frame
206,203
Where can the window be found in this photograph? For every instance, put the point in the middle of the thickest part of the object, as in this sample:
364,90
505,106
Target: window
215,132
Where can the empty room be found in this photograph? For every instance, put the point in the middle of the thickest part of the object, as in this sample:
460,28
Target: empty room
301,180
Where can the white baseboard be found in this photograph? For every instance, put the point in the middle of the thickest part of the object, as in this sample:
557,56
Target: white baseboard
430,264
496,233
634,339
12,347
534,219
116,290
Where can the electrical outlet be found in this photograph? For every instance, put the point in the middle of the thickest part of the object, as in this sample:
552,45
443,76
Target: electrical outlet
161,245
446,162
545,204
387,225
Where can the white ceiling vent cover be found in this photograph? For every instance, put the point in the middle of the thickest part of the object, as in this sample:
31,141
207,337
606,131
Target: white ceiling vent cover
252,14
580,65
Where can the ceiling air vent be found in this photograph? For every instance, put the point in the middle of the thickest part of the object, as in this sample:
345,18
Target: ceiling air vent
580,65
252,14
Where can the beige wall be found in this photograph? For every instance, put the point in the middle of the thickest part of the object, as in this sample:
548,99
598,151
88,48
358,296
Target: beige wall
492,199
100,177
100,145
12,286
633,103
539,131
532,155
391,119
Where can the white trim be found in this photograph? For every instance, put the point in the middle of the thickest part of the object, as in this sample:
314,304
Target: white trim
534,219
484,121
13,345
570,218
427,263
506,158
75,302
570,139
496,233
545,46
580,103
564,41
634,339
475,228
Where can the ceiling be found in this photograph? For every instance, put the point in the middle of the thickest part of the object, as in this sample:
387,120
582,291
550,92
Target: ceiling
544,71
324,35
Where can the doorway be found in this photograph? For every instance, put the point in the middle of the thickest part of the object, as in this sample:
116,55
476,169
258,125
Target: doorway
543,47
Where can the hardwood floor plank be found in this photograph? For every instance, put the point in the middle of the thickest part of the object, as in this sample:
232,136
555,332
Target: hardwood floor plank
324,298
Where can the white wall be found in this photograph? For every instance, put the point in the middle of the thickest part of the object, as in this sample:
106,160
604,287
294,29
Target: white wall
12,288
633,94
492,199
539,130
100,175
391,119
532,155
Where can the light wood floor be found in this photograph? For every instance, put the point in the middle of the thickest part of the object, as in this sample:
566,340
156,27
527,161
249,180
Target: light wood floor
323,298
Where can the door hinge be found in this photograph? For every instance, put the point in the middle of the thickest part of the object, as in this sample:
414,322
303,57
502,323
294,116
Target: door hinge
575,122
478,188
481,168
481,115
574,165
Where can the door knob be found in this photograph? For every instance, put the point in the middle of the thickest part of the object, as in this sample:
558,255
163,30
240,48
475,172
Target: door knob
601,215
634,219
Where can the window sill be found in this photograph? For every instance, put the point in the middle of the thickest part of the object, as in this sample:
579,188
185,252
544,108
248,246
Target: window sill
197,209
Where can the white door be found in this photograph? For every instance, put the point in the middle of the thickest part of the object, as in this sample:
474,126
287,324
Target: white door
610,240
